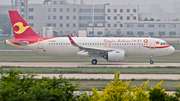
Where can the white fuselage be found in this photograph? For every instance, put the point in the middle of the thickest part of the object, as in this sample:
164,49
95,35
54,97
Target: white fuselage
131,46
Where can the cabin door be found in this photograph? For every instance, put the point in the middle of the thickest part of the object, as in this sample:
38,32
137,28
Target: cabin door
40,43
152,43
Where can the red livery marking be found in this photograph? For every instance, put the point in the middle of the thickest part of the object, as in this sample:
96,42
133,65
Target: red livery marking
123,40
145,41
157,42
164,46
72,35
72,42
105,40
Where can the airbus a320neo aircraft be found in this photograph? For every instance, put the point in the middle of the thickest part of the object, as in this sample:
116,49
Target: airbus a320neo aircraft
110,48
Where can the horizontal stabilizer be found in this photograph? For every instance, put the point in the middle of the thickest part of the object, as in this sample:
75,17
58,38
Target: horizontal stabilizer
24,43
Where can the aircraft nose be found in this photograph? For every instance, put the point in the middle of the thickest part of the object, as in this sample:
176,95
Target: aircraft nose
172,49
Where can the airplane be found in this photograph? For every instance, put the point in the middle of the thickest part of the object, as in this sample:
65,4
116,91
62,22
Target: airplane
110,48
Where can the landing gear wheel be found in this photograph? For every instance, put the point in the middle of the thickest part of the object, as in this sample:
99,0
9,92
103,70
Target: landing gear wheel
94,61
151,62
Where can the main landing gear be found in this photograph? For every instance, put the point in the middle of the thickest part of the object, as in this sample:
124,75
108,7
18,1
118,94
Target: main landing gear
151,61
94,61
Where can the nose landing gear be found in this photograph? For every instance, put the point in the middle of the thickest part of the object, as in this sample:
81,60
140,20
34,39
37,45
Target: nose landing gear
151,61
94,61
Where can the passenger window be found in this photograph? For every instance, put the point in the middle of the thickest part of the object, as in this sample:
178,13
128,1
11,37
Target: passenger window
49,43
92,43
97,43
117,43
102,43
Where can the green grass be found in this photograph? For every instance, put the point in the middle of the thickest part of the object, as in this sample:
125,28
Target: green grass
175,44
172,58
6,46
98,70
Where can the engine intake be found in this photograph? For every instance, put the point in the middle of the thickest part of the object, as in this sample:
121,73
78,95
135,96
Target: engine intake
115,56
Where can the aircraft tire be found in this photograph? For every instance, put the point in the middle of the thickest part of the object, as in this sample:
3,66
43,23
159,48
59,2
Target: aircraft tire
151,62
94,61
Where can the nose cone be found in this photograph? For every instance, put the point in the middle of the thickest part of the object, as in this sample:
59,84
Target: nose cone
171,50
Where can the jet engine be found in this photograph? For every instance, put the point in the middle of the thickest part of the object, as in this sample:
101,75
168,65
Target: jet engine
115,56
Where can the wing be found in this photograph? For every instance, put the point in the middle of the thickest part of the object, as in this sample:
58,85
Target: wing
92,51
86,47
72,35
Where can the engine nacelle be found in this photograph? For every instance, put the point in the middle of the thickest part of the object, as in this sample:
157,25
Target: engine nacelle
115,56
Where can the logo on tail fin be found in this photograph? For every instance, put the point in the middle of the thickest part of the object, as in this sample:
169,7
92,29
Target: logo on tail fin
21,27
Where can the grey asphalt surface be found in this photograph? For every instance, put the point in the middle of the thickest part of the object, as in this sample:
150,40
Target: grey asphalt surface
111,76
85,64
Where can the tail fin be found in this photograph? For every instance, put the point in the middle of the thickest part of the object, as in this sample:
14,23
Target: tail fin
20,27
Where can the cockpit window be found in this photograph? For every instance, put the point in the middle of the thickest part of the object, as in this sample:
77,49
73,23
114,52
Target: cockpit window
163,43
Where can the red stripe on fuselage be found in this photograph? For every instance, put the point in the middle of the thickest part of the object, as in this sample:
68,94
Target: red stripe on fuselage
157,46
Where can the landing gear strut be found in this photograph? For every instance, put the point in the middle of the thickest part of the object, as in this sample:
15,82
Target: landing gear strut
151,61
94,61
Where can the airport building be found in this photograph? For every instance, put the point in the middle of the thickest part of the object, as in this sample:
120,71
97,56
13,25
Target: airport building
115,15
152,28
58,18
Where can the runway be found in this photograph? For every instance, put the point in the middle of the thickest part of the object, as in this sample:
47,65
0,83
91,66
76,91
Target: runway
85,64
111,76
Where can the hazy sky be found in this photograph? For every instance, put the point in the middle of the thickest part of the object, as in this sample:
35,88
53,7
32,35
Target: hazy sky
165,4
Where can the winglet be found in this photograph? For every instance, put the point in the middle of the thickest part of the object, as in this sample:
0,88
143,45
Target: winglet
72,35
72,41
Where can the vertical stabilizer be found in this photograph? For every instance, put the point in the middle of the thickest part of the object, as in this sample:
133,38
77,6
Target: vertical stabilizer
20,27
